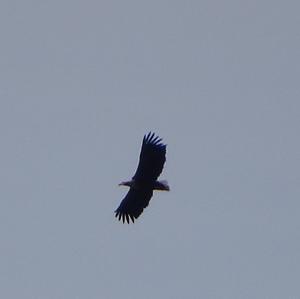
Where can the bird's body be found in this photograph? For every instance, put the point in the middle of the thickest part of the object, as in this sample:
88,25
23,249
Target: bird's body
151,163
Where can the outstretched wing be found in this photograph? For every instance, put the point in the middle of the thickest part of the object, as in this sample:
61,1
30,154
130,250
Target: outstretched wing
133,204
152,159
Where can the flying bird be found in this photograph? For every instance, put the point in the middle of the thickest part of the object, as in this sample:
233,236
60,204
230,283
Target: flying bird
144,181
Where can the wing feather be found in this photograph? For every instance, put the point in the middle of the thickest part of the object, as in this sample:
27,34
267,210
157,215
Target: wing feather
152,159
133,204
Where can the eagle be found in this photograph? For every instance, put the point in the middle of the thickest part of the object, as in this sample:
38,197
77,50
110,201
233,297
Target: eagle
144,181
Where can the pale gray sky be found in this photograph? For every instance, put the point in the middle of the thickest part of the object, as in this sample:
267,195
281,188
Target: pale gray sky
82,81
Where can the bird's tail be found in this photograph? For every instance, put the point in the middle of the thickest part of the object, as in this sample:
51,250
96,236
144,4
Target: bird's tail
162,185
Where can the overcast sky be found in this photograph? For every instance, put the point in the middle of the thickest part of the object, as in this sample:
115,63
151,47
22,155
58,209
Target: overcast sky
81,82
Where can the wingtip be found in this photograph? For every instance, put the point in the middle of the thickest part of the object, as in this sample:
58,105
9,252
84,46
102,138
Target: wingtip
123,217
152,138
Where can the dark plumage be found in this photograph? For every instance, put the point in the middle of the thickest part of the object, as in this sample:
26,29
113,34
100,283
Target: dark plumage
144,181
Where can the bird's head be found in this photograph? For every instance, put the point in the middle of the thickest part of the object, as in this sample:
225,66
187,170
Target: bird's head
126,183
